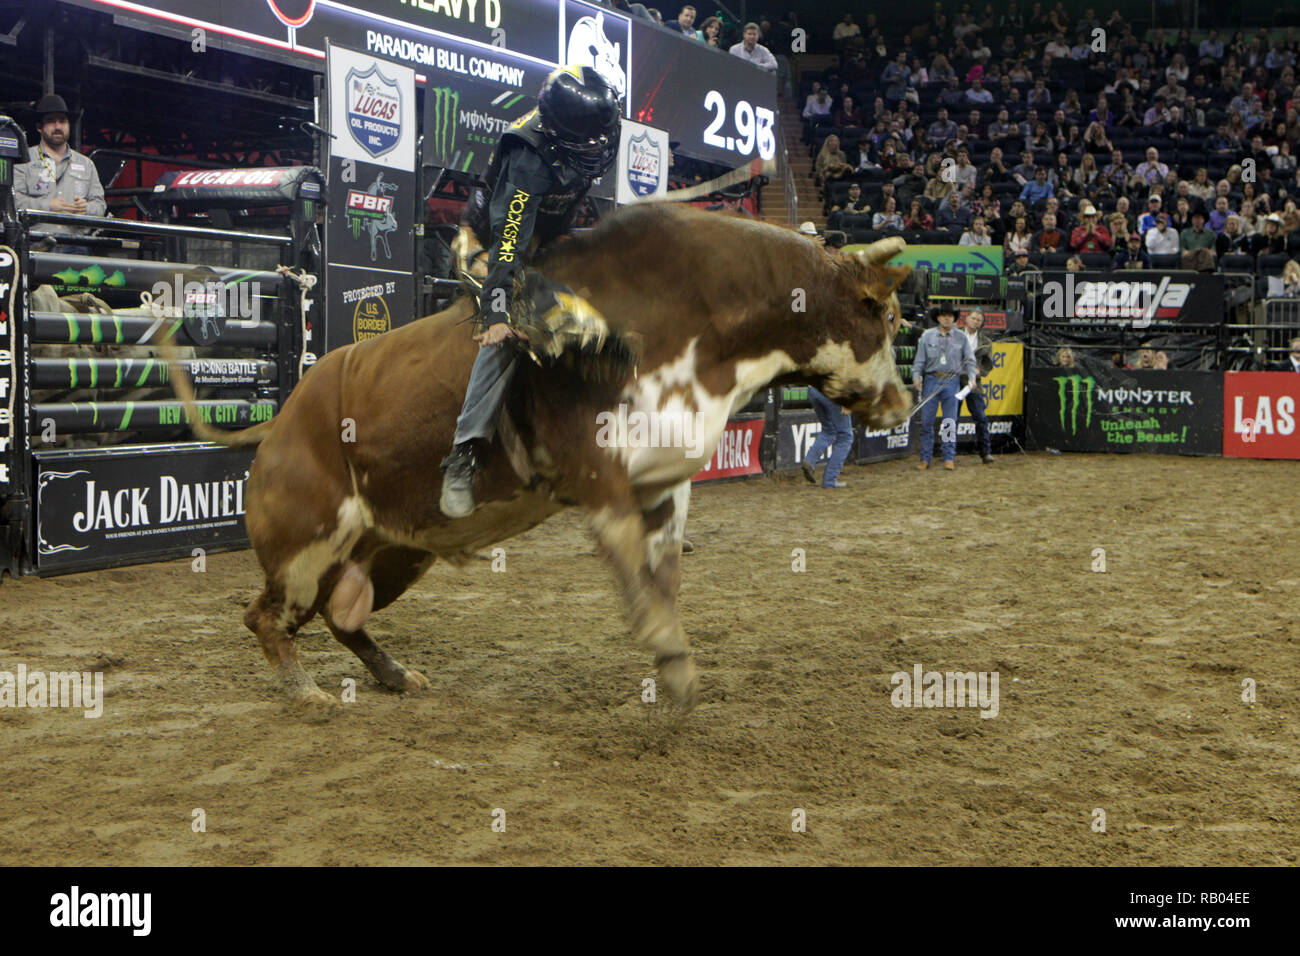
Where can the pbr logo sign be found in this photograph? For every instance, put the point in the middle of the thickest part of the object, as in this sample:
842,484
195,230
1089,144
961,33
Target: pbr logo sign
644,165
374,110
371,212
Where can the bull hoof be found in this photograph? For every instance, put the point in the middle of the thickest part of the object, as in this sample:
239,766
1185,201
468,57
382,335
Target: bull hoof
411,682
315,700
678,674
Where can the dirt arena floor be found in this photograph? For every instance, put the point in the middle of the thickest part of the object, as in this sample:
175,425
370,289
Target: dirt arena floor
1119,690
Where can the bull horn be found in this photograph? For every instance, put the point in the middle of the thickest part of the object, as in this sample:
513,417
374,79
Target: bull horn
881,251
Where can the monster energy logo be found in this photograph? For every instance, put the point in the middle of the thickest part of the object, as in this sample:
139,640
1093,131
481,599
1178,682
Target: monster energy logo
1077,383
93,275
4,170
446,106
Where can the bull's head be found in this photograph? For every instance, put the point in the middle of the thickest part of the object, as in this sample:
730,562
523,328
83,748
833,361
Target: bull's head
855,365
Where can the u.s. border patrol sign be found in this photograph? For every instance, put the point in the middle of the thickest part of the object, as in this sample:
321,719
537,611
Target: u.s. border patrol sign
372,109
642,162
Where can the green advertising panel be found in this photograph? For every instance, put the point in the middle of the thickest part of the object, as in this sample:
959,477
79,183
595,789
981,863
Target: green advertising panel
970,260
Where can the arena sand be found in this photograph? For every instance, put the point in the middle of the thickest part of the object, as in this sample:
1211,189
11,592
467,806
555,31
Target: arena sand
1119,690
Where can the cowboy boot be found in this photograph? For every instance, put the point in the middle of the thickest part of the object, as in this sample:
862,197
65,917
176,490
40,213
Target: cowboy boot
457,499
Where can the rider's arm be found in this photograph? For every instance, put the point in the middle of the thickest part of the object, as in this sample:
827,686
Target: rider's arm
512,210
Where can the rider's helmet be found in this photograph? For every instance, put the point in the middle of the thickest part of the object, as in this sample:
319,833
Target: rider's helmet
580,117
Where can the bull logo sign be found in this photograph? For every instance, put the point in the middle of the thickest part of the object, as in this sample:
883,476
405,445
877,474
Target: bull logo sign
644,165
589,46
374,110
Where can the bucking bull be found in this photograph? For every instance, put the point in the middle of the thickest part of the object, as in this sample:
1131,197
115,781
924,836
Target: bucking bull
342,498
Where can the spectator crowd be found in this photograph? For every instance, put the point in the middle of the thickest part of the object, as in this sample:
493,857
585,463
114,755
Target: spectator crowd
1059,137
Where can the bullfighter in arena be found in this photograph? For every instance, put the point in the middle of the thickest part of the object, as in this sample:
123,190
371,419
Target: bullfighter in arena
536,179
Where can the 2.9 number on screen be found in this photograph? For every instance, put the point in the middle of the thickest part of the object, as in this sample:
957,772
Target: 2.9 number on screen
753,124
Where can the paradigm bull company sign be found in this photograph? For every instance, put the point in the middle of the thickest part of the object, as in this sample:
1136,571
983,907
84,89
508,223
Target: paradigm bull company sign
1125,410
97,509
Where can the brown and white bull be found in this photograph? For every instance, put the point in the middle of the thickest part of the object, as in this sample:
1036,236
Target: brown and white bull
342,499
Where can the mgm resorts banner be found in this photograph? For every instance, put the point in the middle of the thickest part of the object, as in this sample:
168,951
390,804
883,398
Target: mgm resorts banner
1125,410
369,232
99,509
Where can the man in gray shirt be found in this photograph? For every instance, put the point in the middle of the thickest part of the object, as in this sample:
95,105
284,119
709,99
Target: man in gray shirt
942,356
56,177
750,49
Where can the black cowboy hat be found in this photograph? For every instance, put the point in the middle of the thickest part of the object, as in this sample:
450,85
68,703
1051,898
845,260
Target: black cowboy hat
50,103
940,309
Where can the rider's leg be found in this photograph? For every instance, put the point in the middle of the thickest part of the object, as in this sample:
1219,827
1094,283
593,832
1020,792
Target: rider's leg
494,368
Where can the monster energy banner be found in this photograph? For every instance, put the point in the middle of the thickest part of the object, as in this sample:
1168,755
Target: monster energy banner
1125,410
369,231
100,508
464,119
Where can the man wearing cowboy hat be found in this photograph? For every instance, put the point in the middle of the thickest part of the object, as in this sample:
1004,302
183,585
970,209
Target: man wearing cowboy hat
56,177
809,229
943,355
1089,235
731,202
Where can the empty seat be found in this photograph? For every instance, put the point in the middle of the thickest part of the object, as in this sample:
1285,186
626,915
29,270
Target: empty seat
1236,262
1272,263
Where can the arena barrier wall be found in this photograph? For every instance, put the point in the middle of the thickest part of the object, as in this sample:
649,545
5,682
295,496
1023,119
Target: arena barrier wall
77,385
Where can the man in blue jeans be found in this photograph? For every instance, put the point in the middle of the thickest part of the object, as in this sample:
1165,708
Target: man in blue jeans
837,427
942,357
982,346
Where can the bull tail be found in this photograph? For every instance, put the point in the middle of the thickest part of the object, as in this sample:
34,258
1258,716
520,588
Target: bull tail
184,388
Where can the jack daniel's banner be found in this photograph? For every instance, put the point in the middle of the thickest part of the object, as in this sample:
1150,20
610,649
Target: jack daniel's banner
97,509
1125,410
369,233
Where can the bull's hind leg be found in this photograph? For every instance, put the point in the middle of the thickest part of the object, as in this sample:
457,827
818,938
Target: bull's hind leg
357,592
265,618
622,536
385,669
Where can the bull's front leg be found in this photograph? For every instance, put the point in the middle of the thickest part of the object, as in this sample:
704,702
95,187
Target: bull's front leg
624,541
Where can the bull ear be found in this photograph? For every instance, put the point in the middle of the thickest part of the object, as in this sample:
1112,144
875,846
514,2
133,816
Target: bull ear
883,280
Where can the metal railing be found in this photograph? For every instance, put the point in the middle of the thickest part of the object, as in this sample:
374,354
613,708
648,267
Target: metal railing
787,176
